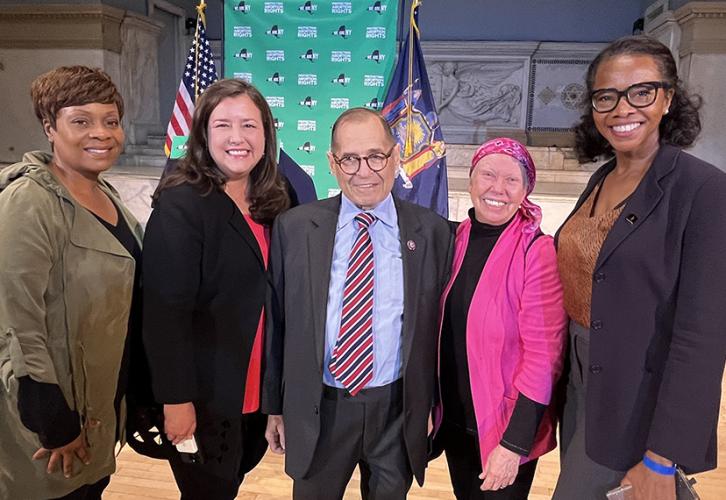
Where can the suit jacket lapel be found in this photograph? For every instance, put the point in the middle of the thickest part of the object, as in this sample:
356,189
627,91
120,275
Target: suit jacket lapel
413,251
321,239
641,203
239,224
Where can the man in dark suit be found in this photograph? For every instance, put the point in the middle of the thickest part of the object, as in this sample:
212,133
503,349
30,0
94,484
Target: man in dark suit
352,336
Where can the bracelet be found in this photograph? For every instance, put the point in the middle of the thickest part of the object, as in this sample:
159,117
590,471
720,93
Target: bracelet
661,469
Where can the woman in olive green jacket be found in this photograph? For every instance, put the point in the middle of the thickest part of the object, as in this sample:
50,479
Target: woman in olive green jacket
68,251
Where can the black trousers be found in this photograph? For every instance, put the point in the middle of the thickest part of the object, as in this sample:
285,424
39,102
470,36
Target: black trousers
462,456
580,476
365,430
88,491
230,448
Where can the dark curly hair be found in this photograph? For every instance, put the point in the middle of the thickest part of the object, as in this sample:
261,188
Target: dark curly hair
267,194
679,127
72,86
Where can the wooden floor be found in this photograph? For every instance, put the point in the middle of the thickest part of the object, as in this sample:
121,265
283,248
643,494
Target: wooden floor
139,478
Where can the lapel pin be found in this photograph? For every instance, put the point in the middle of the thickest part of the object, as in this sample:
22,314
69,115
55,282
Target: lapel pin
632,219
411,245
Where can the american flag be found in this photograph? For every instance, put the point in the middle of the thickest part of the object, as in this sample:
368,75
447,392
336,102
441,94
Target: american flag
199,73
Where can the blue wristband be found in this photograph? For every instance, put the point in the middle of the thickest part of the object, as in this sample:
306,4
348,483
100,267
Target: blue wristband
661,469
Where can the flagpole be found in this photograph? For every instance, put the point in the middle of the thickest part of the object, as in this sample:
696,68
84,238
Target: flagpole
412,27
201,18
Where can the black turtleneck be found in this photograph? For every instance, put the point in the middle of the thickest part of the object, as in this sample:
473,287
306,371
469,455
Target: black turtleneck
456,393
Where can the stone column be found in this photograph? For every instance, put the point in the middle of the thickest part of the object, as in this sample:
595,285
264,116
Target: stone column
702,64
139,77
37,38
661,24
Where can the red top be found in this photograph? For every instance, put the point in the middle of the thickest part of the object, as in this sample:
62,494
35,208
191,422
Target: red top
252,386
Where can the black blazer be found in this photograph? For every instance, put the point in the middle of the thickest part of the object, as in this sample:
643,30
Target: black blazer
657,340
204,287
301,252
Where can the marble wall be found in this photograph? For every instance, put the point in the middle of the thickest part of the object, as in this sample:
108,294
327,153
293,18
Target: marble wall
696,34
135,186
35,39
703,71
19,128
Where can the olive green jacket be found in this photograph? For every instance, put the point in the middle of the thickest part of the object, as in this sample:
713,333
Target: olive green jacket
65,294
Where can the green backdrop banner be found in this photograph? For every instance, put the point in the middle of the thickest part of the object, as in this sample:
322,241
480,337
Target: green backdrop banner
312,60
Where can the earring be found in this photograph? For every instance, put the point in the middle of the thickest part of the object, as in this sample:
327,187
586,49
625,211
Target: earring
666,111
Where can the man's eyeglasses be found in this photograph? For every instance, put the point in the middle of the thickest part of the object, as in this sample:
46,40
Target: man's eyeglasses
639,95
350,164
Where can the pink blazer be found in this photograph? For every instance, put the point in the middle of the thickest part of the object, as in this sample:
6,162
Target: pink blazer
515,334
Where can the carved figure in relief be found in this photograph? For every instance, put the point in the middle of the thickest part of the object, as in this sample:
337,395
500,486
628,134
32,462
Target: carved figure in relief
478,93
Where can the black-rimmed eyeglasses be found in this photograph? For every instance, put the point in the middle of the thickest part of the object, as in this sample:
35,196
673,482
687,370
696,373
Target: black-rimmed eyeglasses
638,95
350,164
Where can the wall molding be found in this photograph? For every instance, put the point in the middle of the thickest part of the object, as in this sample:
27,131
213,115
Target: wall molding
703,28
468,50
61,26
143,23
702,10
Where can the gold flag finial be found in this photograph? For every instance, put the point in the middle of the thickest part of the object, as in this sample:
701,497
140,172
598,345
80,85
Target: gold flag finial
200,10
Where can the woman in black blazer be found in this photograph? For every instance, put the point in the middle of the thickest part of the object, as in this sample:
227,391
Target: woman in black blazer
205,283
642,264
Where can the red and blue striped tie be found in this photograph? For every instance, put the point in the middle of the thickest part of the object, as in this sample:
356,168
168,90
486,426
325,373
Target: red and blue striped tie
352,360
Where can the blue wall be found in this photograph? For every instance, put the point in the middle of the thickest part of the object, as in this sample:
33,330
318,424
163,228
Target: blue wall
528,20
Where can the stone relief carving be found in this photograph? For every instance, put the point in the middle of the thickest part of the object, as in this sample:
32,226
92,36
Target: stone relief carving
141,103
139,77
478,93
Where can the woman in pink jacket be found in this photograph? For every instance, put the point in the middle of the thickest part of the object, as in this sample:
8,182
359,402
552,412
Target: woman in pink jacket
502,333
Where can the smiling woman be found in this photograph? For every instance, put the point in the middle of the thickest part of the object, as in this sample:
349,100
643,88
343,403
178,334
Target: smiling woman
85,135
236,137
641,261
68,279
86,139
205,283
502,333
497,187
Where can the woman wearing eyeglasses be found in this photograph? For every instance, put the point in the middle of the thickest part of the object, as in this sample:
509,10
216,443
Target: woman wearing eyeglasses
641,262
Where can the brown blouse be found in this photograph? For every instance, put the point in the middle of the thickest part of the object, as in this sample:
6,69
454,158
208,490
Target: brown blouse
578,247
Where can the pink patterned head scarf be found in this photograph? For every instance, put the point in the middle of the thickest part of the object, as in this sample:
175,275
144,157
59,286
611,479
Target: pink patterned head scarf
516,150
